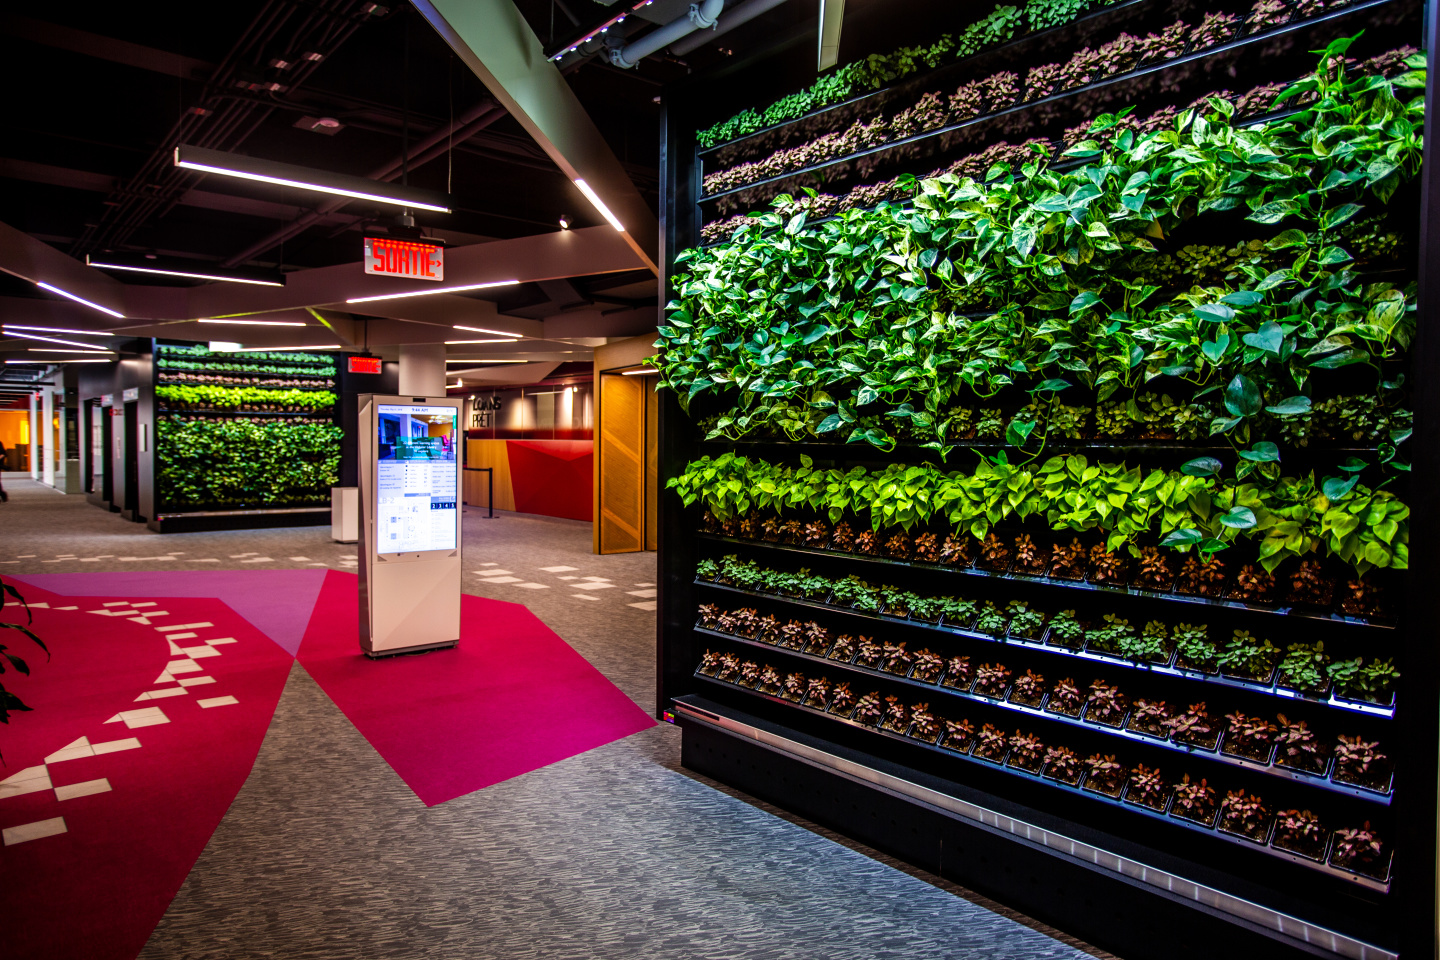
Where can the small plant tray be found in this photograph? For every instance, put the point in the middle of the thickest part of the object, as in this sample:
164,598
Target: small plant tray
1380,873
1260,836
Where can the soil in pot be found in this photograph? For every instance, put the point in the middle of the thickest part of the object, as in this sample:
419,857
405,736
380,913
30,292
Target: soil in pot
1301,832
1066,699
991,680
1062,764
1147,788
959,734
1311,586
1031,558
1150,717
1195,728
1194,801
1028,690
1249,737
1361,850
1201,579
1105,775
1297,748
990,744
1360,763
1070,560
1026,752
1361,598
959,674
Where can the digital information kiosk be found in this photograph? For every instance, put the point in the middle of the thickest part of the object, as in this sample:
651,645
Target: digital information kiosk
410,523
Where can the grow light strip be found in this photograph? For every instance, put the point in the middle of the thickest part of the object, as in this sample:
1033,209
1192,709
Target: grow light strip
613,21
1284,924
67,294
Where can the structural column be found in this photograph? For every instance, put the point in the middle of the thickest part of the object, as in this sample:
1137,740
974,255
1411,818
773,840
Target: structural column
422,369
34,440
47,417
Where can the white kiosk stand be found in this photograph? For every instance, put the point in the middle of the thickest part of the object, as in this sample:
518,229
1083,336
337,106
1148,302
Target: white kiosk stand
410,524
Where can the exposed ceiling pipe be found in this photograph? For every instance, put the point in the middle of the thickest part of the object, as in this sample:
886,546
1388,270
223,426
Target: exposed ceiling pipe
465,126
702,16
729,20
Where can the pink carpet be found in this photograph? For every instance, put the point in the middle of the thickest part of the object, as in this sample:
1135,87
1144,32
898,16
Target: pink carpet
105,815
511,698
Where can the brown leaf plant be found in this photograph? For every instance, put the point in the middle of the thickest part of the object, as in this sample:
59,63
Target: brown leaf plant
843,538
1106,774
815,534
897,659
869,710
1107,704
710,663
794,687
990,743
1252,583
957,551
992,679
1106,567
1026,751
1248,736
958,673
1066,698
770,681
817,638
925,725
792,635
927,548
817,692
1070,561
1062,763
1155,572
1298,746
1028,557
958,734
1151,717
1201,579
928,666
1308,584
867,542
1148,788
749,673
1029,689
898,546
994,554
1300,831
1244,814
897,715
1194,726
842,699
1194,800
1357,848
709,615
844,649
870,654
729,667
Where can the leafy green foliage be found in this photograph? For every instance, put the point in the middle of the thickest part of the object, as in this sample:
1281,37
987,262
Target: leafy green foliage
9,702
244,463
238,398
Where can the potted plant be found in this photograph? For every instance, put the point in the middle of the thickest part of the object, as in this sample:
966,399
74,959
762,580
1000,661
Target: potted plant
958,674
1065,631
844,648
793,689
1297,748
928,609
924,725
1303,669
1026,623
869,654
927,548
1069,561
709,615
1359,762
793,635
1201,578
896,602
817,639
1107,705
1361,598
991,680
990,744
1246,658
1310,585
897,715
1029,690
1193,649
1026,752
897,659
749,674
1194,801
957,551
1150,717
1066,699
1372,683
746,623
1195,728
1361,851
857,594
1248,737
750,526
729,668
770,681
1245,816
992,621
1301,832
1062,764
1148,789
958,735
959,613
1153,645
770,529
1253,585
766,629
1105,636
710,663
1107,568
928,667
817,693
707,570
843,538
1154,572
898,546
869,710
842,700
995,555
1105,775
815,535
1029,558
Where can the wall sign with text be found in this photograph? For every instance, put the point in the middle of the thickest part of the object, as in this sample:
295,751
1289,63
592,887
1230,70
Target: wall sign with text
389,257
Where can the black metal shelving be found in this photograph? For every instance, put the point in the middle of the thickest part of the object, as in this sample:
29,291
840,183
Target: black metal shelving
1279,904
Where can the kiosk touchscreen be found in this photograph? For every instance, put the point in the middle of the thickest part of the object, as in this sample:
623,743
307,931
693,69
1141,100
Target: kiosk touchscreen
410,529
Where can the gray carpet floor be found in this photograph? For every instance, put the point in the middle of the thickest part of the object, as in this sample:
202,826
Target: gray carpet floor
616,853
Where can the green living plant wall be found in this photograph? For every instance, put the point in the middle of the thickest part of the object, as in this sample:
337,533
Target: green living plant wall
230,398
246,463
868,319
878,70
1292,517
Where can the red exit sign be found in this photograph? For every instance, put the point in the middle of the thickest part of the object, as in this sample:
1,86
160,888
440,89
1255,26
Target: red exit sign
389,257
364,364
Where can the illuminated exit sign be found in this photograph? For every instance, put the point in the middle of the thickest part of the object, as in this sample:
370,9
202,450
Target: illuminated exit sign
364,364
389,257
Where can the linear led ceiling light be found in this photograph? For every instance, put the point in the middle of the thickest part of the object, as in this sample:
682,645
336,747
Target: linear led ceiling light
603,28
306,178
71,296
260,323
65,360
594,198
495,340
69,343
179,268
642,372
66,350
425,293
313,346
486,362
79,333
502,333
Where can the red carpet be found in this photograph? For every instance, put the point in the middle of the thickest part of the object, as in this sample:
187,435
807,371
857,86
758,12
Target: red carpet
119,819
511,698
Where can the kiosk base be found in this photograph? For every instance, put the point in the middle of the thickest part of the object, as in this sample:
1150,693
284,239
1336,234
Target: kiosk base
403,651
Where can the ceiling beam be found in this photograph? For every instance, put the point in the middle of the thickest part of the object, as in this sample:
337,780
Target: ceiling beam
105,48
492,38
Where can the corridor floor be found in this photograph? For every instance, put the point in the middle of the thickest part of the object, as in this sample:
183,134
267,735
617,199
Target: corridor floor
616,852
